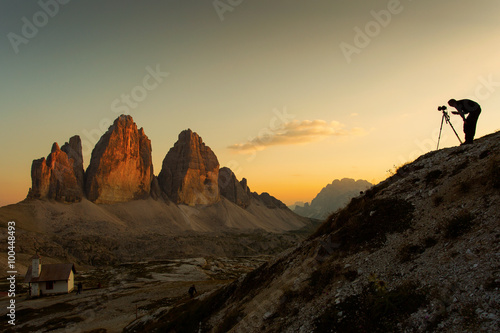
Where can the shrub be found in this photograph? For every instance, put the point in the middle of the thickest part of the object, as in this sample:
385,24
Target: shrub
410,252
373,310
484,154
429,242
492,284
370,225
459,225
365,222
464,187
437,200
469,316
459,168
286,305
371,192
494,171
433,176
323,276
351,275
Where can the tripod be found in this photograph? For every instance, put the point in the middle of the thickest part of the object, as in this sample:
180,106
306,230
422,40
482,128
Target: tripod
446,117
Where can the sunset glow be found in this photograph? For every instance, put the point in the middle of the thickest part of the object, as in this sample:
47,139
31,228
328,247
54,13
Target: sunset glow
288,94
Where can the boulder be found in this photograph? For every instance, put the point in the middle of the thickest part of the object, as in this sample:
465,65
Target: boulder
190,171
121,166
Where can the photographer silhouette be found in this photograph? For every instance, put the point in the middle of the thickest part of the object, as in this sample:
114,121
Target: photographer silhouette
466,106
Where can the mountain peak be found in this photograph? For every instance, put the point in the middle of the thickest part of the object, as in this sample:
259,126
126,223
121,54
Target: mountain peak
121,166
332,197
190,171
124,119
121,170
55,148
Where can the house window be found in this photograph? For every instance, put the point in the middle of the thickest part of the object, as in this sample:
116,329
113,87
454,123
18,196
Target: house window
49,285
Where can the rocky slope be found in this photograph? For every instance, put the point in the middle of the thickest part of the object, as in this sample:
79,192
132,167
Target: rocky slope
102,234
121,166
418,252
73,149
332,197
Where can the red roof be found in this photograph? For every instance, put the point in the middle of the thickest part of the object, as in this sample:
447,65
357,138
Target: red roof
51,272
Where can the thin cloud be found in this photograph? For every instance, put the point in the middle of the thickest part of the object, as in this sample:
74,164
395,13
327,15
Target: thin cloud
295,132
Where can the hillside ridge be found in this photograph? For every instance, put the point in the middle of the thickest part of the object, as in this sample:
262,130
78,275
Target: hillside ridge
418,252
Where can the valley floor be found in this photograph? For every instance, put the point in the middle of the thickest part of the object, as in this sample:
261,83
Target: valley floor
128,292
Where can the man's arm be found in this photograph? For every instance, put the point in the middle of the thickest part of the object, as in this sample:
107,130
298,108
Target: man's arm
460,110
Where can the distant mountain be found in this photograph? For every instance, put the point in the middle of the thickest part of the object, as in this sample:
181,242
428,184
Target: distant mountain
297,204
96,216
332,197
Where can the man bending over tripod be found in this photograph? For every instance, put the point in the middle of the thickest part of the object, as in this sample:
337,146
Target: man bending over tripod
466,106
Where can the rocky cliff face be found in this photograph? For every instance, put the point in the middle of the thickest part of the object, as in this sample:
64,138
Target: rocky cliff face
121,166
121,170
233,190
190,171
60,176
73,149
239,193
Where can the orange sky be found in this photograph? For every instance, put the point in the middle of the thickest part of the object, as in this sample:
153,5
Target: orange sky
289,94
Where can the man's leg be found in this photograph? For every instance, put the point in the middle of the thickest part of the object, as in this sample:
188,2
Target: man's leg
467,130
470,126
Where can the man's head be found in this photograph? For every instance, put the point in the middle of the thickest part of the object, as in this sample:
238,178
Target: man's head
452,102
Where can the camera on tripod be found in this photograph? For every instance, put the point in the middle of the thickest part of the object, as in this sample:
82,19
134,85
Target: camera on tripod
446,118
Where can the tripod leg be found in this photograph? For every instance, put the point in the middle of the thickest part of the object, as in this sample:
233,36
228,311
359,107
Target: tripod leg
440,129
454,131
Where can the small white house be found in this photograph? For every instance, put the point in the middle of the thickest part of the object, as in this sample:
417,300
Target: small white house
50,278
